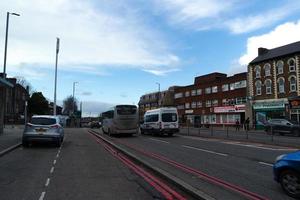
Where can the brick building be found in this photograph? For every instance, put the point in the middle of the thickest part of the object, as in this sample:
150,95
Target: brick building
213,98
155,100
273,78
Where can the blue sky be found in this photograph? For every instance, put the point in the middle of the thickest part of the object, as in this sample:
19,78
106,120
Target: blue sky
118,49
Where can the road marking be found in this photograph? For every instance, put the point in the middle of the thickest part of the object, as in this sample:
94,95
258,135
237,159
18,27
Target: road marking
259,146
204,150
57,155
201,139
157,140
264,163
54,162
42,196
47,182
58,151
52,170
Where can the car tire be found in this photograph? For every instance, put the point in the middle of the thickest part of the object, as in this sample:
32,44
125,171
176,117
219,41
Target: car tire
58,143
170,134
290,181
296,132
25,143
142,132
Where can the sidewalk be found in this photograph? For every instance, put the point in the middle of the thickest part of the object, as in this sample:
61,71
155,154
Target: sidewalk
11,136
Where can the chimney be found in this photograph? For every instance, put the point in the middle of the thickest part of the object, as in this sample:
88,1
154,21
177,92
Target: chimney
262,51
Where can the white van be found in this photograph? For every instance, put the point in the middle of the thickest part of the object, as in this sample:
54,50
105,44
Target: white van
160,121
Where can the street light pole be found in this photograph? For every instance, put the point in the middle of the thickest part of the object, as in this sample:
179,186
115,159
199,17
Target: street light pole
158,102
55,81
74,96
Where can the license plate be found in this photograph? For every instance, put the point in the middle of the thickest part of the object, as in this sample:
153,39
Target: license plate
40,130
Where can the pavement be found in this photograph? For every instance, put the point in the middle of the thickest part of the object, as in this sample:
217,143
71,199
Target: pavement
12,135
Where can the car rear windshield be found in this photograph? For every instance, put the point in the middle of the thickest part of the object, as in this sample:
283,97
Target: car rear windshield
126,110
43,121
169,117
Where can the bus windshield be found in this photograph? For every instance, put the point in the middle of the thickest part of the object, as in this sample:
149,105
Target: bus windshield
126,110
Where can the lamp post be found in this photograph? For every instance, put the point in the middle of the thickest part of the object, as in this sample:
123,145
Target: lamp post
3,90
158,102
73,107
55,80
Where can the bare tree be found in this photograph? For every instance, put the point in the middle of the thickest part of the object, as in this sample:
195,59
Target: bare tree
69,105
23,82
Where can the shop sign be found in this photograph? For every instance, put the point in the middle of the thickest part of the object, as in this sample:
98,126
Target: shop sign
269,105
189,111
295,104
230,109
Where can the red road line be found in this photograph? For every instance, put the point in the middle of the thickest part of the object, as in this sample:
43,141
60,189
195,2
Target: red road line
164,189
217,181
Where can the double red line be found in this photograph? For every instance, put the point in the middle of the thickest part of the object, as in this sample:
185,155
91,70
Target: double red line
246,193
160,186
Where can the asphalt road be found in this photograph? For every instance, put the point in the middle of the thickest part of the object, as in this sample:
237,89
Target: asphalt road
80,169
246,165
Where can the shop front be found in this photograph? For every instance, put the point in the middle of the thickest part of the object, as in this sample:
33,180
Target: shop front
271,109
294,103
229,114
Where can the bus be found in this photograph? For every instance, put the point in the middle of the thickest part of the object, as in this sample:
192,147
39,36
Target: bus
121,120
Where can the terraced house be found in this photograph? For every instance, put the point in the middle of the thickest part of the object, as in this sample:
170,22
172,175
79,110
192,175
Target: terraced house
274,88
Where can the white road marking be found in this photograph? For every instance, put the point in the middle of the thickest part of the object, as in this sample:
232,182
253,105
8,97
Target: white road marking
54,162
47,182
204,150
42,196
259,146
201,139
157,140
52,170
57,155
58,151
264,163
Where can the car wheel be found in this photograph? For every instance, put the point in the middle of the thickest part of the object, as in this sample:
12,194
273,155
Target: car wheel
170,134
296,132
58,143
25,143
290,183
142,132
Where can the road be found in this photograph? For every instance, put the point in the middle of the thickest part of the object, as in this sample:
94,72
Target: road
81,169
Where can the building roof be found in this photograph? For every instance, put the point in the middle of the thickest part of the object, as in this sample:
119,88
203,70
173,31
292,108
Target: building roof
5,82
278,52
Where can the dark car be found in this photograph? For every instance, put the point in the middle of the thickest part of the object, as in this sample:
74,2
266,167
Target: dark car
282,126
286,171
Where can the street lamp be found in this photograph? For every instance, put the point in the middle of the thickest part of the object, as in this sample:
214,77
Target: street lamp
74,84
6,36
158,102
55,79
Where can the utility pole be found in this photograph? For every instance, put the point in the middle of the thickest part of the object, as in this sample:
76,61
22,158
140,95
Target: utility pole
158,102
55,80
73,109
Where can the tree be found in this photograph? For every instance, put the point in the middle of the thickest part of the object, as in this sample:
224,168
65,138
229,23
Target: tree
38,104
22,81
68,104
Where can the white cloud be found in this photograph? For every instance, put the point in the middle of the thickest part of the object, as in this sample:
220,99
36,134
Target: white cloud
281,35
91,35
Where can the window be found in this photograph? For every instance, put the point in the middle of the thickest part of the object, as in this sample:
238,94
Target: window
199,104
214,89
208,103
207,90
169,117
292,66
224,102
258,87
178,95
240,84
267,68
225,87
194,104
187,105
257,71
126,110
215,102
232,86
293,87
268,84
151,118
193,93
199,91
279,66
43,121
187,93
281,85
180,107
240,100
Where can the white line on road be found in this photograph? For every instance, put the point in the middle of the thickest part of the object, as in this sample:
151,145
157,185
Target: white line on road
54,162
52,170
42,196
47,182
157,140
57,155
260,146
204,150
264,163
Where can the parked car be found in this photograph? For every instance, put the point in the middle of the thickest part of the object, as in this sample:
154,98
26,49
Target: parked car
95,124
287,172
282,126
43,128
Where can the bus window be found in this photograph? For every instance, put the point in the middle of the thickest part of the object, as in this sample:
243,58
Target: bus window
126,110
151,118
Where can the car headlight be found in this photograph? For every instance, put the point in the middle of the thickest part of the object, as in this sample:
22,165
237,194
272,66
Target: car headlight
279,157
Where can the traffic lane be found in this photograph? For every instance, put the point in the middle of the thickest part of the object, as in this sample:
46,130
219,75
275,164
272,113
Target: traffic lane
87,171
23,171
241,172
252,151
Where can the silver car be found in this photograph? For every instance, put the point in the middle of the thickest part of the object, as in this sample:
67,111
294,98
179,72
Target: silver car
43,128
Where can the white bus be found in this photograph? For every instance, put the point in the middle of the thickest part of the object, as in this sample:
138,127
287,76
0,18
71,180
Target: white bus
120,119
161,121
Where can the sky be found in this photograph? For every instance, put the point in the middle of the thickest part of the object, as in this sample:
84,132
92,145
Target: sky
118,50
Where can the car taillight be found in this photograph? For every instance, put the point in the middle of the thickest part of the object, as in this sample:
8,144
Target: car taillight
55,126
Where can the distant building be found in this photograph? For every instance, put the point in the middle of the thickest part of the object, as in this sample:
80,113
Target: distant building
58,109
274,88
213,99
155,100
